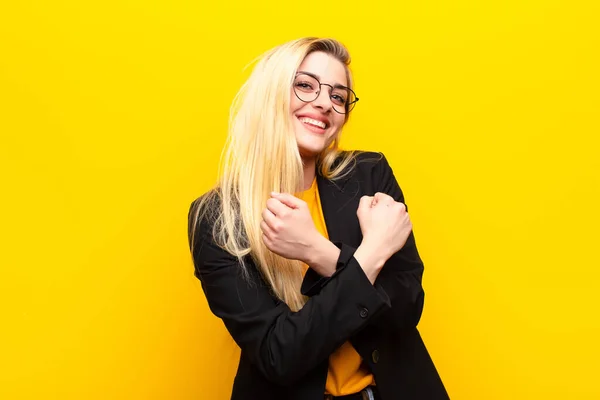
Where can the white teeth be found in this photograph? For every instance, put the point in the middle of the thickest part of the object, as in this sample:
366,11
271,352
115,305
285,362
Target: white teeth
314,122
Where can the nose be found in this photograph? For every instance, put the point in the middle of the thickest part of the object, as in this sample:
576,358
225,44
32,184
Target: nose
323,101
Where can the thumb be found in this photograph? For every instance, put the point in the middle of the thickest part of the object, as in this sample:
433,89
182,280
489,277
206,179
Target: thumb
365,203
288,199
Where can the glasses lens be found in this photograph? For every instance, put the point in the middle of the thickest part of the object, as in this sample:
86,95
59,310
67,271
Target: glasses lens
306,87
343,100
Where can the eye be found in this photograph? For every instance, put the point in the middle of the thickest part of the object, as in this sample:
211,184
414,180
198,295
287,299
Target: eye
338,99
304,86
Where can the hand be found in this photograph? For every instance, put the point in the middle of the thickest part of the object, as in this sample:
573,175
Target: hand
288,228
384,223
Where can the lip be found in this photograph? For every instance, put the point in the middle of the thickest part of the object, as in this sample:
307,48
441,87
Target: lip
315,117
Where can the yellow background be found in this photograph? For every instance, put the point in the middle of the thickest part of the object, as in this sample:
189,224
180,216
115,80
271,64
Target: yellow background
112,117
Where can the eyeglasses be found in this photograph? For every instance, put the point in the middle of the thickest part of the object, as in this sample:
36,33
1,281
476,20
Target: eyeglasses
307,88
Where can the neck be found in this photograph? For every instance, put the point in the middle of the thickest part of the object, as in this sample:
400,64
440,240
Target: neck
309,172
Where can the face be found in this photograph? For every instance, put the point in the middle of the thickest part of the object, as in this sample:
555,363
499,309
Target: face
316,124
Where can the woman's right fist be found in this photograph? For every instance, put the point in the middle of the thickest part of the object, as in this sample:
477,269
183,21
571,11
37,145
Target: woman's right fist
384,223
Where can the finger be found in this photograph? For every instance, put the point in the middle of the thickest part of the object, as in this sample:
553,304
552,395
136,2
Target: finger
288,199
266,230
383,198
267,242
269,218
365,202
276,206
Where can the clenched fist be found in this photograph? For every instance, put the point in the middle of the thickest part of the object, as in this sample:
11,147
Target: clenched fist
384,223
288,228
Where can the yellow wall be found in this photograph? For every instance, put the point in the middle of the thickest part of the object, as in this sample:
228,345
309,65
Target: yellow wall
112,116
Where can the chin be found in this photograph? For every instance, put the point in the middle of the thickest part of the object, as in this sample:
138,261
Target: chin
310,147
309,152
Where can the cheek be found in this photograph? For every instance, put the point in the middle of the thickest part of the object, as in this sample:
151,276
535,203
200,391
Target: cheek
339,123
295,103
334,134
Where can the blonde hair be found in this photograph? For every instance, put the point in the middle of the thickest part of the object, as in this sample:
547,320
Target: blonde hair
261,155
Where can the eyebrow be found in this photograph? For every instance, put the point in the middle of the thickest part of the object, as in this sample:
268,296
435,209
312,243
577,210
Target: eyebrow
337,85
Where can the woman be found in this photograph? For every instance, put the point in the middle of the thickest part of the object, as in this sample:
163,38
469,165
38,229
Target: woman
322,289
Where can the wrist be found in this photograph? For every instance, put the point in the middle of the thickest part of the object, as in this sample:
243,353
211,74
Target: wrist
323,256
370,259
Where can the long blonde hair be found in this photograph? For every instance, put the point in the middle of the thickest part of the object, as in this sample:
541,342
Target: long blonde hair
261,155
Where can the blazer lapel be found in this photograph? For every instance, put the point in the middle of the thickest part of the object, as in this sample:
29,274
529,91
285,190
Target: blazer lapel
339,201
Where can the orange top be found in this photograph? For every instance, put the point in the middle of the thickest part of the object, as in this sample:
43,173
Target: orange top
346,373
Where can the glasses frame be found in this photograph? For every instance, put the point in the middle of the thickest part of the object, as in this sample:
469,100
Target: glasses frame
349,107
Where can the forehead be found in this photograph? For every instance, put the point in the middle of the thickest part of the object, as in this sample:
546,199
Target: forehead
328,69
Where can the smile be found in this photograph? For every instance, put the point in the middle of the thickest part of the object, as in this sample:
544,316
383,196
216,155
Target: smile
313,122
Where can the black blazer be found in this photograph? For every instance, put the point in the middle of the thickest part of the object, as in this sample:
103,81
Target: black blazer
284,353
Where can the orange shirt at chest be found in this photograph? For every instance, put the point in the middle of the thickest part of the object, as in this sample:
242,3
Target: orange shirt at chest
346,373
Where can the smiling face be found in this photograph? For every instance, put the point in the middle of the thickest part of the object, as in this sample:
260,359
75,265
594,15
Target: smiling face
316,124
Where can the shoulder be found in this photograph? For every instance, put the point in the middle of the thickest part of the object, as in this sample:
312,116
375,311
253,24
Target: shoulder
202,214
364,164
373,171
370,159
207,201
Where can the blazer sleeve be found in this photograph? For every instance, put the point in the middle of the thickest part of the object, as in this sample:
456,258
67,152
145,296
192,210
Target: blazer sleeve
401,275
282,344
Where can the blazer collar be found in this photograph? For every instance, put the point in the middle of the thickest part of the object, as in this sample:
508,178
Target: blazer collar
339,202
